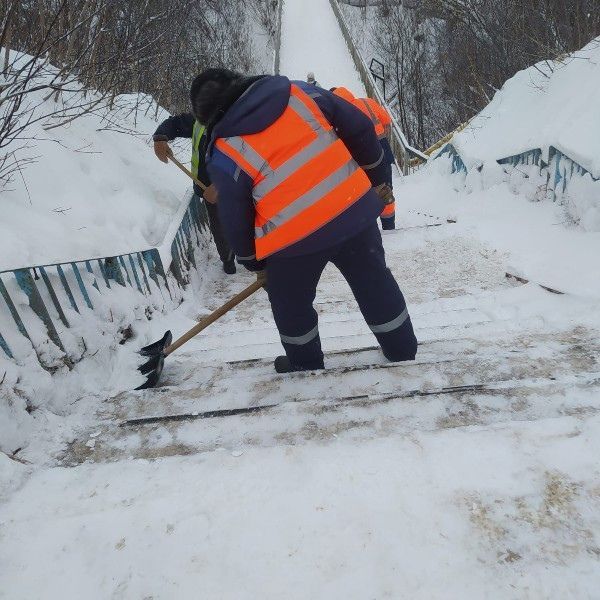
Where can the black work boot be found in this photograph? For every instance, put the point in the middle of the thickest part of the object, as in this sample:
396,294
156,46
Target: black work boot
283,365
229,266
388,224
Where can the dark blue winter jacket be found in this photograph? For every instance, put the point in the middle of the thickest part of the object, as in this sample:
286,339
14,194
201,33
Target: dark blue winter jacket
262,104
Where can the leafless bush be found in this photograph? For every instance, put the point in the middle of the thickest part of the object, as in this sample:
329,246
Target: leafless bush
100,49
448,57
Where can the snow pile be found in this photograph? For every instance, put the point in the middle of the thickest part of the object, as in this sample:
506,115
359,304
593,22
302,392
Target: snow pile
12,475
40,410
554,103
550,105
536,237
582,202
94,187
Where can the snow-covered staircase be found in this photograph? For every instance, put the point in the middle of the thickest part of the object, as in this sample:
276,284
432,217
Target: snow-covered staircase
488,354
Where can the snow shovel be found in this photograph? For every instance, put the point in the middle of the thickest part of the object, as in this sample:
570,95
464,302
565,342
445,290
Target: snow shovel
203,187
181,167
158,351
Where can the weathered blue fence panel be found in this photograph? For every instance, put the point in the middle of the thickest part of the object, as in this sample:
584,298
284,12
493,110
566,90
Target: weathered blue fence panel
27,284
559,167
457,163
139,271
5,347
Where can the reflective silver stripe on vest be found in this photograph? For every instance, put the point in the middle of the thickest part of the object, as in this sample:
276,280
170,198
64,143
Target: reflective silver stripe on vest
300,339
391,325
303,110
375,164
251,155
308,199
246,257
290,166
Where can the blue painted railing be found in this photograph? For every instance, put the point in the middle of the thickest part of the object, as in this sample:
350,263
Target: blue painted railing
559,167
53,290
458,166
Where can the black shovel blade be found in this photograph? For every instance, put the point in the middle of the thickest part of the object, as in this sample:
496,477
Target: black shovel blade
153,367
154,375
157,347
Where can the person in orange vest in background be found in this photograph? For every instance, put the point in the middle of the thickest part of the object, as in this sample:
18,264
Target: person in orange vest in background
382,122
301,183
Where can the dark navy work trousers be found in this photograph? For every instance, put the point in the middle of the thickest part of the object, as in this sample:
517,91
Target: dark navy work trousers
292,284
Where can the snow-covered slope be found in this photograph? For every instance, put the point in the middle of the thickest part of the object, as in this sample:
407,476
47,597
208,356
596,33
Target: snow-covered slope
554,103
312,41
95,187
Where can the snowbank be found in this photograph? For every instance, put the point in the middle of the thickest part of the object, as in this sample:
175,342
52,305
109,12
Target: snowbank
95,187
510,212
550,107
554,103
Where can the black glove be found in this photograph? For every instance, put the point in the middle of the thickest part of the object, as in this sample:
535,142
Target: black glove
252,264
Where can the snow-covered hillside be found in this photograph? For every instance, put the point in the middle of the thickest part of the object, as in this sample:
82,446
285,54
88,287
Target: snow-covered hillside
94,187
554,103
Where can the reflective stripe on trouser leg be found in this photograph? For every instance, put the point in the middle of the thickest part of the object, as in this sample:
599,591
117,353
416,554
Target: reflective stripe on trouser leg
304,351
292,288
300,340
391,325
361,261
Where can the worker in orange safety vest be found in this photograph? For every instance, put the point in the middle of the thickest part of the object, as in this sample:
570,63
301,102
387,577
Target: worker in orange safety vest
382,122
301,182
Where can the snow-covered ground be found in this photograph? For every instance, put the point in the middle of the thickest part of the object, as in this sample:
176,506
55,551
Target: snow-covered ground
471,472
312,41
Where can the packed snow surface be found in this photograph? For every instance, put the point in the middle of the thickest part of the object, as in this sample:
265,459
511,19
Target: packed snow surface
554,103
312,41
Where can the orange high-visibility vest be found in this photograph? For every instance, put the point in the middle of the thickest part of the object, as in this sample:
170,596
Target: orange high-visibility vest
380,119
378,115
389,210
303,175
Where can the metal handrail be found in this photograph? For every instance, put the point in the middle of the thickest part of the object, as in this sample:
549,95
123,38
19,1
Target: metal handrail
402,150
146,271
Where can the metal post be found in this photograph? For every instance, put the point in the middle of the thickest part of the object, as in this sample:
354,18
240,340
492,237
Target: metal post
27,284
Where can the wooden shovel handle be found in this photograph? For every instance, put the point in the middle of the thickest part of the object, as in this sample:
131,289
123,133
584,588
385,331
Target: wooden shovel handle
187,172
217,314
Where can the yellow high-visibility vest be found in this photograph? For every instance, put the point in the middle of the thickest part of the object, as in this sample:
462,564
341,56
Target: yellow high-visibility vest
197,134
